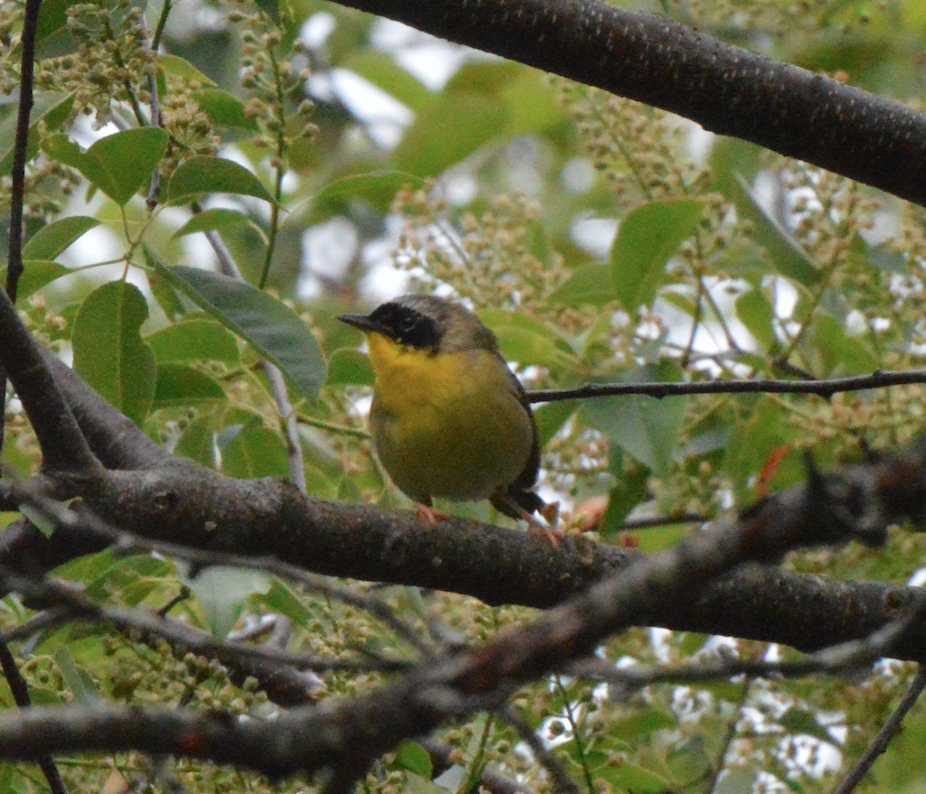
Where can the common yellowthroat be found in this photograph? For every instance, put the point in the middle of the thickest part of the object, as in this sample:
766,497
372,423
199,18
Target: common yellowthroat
449,419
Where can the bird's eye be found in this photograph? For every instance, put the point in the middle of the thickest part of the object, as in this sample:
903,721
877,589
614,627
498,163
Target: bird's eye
410,327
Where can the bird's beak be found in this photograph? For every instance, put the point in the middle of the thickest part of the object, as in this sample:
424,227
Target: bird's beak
365,324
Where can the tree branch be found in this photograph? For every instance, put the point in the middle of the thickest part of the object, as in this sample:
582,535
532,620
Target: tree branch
725,89
209,515
345,739
64,448
821,388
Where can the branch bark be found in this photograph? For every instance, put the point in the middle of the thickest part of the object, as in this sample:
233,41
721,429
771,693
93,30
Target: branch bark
725,89
345,739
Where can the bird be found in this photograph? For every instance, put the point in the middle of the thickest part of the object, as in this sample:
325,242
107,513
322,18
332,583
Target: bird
449,419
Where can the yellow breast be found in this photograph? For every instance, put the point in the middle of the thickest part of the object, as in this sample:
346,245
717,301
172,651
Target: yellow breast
447,425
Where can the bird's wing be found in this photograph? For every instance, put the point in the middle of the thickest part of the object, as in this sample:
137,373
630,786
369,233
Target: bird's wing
521,490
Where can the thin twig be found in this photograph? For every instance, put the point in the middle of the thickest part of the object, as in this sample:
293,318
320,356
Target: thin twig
20,149
20,691
576,735
280,168
850,655
154,187
821,388
561,781
495,782
664,521
888,731
159,30
14,261
729,735
230,268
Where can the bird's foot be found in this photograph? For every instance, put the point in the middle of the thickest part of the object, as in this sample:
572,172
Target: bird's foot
429,516
550,513
551,534
535,527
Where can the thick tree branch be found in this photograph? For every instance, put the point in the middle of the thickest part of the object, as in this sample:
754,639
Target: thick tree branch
172,500
64,448
727,90
345,739
115,440
198,509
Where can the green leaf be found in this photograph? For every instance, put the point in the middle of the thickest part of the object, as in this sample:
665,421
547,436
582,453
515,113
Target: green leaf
221,220
349,367
165,294
75,678
383,72
551,417
732,159
754,441
42,521
532,102
202,174
280,598
52,18
223,592
134,578
449,130
655,539
785,253
629,491
739,780
255,451
626,776
799,721
643,723
36,274
198,441
589,285
109,352
376,187
413,757
194,340
755,311
224,109
267,324
271,8
884,257
837,352
181,385
180,67
900,768
50,109
52,240
119,164
646,428
646,240
523,339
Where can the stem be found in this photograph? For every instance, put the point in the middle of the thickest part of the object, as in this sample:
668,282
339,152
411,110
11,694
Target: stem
478,764
20,691
883,739
345,430
280,170
159,30
577,737
17,193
